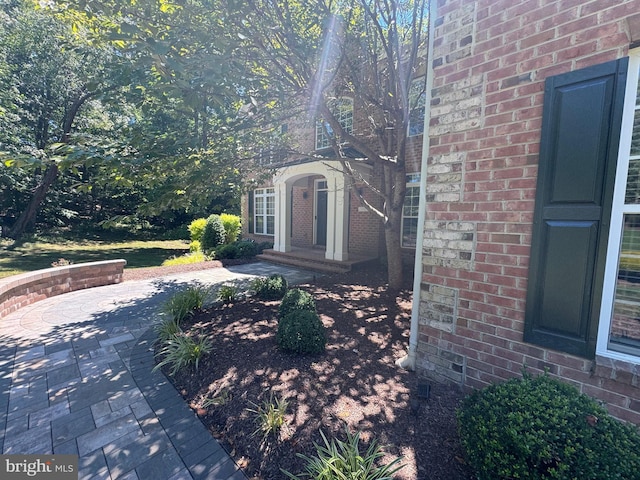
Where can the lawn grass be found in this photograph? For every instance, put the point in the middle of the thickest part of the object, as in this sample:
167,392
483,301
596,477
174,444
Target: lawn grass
40,253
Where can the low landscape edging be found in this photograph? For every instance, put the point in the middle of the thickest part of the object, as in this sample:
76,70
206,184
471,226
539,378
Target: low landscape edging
18,291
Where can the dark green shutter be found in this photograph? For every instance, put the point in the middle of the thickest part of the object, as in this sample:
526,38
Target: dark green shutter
250,210
578,154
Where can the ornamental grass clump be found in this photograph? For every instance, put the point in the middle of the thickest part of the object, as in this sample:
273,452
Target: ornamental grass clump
182,351
270,416
343,460
185,303
533,428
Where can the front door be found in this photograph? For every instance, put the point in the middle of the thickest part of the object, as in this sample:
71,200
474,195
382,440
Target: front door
321,212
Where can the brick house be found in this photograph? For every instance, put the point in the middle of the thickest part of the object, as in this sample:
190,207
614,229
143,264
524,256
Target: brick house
308,208
531,237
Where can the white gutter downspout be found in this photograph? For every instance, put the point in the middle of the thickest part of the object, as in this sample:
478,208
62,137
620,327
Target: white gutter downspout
409,361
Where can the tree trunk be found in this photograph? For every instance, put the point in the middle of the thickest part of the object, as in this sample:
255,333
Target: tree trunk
395,271
28,216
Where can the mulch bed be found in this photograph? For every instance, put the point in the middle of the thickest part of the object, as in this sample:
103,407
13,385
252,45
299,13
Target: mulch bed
355,383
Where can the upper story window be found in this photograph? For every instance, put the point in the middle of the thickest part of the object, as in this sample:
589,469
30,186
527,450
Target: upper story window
273,152
417,102
342,109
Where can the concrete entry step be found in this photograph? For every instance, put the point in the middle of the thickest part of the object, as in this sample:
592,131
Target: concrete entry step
310,263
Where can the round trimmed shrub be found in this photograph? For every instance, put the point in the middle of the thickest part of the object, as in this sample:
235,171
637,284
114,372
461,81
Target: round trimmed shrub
301,331
540,428
272,287
214,234
296,300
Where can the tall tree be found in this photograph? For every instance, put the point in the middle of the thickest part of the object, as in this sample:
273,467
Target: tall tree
312,53
50,86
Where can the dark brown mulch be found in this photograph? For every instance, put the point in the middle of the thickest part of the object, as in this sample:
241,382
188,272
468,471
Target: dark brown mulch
356,382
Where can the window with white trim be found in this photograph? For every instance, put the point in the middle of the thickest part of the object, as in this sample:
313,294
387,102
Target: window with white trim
410,211
342,109
417,103
264,211
619,328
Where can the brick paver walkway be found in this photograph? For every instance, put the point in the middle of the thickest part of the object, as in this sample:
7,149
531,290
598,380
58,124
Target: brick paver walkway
76,378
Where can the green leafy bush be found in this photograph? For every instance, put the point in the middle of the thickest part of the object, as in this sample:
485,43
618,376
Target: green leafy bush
231,225
227,293
338,459
296,300
272,287
185,303
226,251
301,331
183,351
195,246
246,249
262,246
540,428
214,234
196,229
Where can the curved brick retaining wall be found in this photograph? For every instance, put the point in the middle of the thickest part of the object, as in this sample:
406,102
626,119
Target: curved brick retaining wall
18,291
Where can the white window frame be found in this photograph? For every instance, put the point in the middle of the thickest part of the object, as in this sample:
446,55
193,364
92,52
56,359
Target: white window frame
413,182
417,104
344,116
261,204
618,211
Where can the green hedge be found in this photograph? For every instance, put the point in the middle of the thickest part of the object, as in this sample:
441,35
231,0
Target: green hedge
541,428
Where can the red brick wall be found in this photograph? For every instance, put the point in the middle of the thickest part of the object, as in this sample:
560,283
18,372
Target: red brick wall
303,221
21,290
491,58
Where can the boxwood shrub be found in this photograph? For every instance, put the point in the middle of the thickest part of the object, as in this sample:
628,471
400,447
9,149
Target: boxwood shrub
272,287
296,299
541,428
301,331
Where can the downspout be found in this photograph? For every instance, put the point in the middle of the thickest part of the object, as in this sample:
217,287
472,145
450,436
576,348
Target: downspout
409,361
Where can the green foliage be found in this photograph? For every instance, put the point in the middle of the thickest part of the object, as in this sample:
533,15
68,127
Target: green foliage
195,246
186,303
262,246
214,234
221,398
540,428
227,293
343,460
246,249
296,300
196,229
270,416
182,351
231,225
192,257
229,250
241,249
301,331
272,287
167,329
